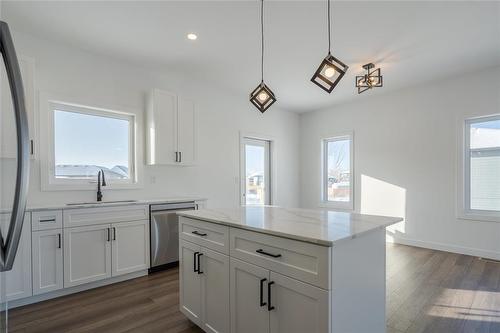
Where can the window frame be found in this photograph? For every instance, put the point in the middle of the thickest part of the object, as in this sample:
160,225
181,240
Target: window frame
324,202
271,182
465,211
48,106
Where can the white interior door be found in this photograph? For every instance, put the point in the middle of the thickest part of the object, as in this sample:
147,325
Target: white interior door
47,256
256,172
248,291
189,282
130,247
215,291
298,307
87,254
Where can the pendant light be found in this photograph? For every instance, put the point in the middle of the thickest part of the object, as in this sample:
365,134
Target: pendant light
262,97
331,70
372,79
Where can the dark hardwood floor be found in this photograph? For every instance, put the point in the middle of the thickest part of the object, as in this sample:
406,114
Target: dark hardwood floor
427,291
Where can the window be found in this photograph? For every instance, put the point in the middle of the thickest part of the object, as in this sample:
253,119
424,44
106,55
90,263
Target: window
338,172
82,141
256,172
482,166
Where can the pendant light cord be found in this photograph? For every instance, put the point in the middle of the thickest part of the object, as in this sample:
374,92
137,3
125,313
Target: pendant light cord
329,28
262,40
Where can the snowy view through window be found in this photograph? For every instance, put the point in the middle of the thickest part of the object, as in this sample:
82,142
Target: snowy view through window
85,144
339,170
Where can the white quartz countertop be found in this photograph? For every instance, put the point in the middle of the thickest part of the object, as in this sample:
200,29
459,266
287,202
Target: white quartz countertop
324,227
108,204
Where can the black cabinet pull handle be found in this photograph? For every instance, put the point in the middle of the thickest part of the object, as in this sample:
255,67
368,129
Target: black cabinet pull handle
177,156
194,262
59,241
199,266
109,234
199,233
180,156
114,233
47,220
268,254
262,303
269,306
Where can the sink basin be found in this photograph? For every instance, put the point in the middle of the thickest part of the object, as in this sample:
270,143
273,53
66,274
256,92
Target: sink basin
98,202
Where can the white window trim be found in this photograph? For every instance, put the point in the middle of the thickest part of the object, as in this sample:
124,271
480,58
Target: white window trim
323,202
463,197
46,130
273,164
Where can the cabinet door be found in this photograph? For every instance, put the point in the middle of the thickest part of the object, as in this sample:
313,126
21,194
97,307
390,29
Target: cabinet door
248,309
298,307
189,282
8,147
18,280
130,247
187,132
87,254
47,261
162,128
214,291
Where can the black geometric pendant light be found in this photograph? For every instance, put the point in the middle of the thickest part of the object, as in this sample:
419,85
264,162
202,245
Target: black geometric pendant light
331,70
262,97
372,79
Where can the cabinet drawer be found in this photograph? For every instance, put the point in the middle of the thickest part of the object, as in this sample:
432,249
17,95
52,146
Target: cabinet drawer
302,261
104,215
47,219
211,235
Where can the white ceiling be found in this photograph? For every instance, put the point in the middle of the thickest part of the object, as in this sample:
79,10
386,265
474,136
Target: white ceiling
413,42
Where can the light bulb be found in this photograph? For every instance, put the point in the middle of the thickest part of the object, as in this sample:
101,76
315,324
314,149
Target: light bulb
329,72
192,36
263,96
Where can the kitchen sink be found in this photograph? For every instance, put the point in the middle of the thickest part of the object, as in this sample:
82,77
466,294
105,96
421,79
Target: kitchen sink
98,202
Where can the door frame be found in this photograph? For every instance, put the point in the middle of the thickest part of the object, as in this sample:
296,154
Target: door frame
243,136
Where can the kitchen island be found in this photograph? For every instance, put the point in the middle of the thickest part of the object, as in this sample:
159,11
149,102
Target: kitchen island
272,269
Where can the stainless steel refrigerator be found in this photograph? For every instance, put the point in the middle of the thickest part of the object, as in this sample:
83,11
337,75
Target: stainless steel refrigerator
14,170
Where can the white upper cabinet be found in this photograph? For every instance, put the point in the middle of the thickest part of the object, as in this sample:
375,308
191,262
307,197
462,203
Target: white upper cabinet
8,143
171,129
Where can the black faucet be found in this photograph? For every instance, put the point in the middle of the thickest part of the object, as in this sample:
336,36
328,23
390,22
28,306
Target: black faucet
99,184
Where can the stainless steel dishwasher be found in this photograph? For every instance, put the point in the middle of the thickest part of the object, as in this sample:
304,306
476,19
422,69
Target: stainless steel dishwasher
164,232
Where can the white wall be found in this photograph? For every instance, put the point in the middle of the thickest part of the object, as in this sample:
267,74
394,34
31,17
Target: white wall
406,160
101,81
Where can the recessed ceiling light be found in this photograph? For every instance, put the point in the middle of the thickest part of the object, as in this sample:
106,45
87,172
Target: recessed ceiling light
192,36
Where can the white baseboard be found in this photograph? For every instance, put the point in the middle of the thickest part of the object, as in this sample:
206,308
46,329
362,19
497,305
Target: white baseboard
447,247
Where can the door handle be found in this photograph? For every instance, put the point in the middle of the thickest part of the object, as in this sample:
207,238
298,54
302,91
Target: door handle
194,262
269,306
177,156
109,234
262,303
199,233
114,233
268,254
199,267
59,240
9,244
180,156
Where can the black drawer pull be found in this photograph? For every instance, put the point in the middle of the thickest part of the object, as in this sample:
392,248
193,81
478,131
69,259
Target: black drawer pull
269,306
47,220
260,251
199,267
194,262
262,303
199,233
58,240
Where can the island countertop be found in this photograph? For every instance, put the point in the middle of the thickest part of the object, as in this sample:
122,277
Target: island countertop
322,226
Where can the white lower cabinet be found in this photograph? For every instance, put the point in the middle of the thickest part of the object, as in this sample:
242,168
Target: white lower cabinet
130,247
297,306
248,290
18,280
47,256
204,291
87,254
